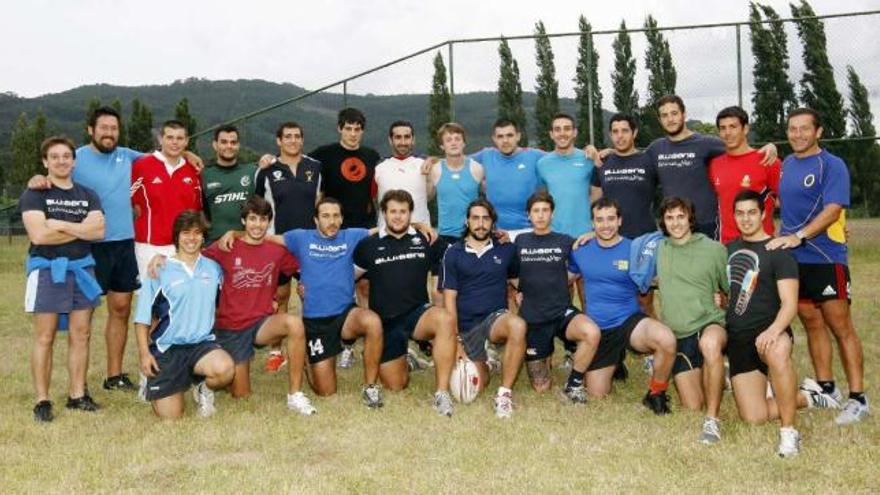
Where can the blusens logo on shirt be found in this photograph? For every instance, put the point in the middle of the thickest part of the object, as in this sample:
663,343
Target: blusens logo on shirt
622,265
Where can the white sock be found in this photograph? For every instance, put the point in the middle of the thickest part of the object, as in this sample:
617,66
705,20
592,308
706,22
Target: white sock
504,390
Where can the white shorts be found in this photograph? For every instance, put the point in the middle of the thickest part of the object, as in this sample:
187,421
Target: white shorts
144,253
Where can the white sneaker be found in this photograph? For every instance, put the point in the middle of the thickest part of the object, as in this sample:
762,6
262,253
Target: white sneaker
300,403
346,358
853,412
816,396
142,387
711,431
204,397
503,405
443,403
789,442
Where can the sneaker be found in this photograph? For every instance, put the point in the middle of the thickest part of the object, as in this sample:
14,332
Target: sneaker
346,358
853,412
577,395
142,387
837,395
43,412
275,362
657,403
567,363
648,365
119,382
204,397
816,396
503,405
711,431
443,403
621,373
789,442
414,362
372,396
300,403
84,403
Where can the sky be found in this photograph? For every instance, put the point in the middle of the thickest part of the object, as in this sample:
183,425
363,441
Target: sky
53,46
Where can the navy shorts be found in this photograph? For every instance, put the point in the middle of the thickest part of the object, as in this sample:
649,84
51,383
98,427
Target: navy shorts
742,354
44,296
116,266
687,354
539,338
614,342
397,332
324,335
475,340
240,344
177,369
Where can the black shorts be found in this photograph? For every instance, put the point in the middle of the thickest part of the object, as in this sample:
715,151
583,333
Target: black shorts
475,339
823,282
742,354
177,369
116,266
687,354
324,335
614,342
397,332
539,338
240,344
438,249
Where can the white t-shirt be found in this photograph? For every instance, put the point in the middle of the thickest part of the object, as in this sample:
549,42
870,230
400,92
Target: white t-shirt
406,174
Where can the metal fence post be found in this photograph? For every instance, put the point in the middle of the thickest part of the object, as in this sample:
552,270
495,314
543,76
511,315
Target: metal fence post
590,86
451,86
739,66
345,94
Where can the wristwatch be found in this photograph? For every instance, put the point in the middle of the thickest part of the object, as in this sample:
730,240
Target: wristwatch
800,235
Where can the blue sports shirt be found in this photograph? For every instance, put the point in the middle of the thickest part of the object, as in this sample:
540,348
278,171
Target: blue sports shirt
568,179
510,180
611,295
109,175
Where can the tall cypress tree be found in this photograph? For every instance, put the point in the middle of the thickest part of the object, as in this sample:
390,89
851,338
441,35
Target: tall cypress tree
626,97
864,155
93,105
439,104
510,104
661,79
818,89
123,136
773,96
586,87
24,150
546,88
181,113
140,127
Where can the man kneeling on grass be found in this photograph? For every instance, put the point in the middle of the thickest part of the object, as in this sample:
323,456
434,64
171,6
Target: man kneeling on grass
179,350
246,317
763,301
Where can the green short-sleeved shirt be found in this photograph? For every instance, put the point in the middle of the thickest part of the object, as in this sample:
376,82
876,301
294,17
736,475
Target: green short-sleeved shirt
224,190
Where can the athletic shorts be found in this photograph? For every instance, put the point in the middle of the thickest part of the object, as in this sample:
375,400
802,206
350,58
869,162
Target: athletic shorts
539,338
397,332
438,249
476,339
116,266
687,354
614,342
240,344
823,282
742,354
177,369
324,335
44,296
144,253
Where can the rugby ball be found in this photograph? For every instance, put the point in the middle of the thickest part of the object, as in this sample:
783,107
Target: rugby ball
465,382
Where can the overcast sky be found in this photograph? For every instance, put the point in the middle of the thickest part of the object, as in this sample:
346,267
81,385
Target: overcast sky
52,46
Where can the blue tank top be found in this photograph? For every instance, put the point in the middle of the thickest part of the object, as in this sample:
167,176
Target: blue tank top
455,190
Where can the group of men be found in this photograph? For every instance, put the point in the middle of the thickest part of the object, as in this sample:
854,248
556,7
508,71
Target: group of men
509,219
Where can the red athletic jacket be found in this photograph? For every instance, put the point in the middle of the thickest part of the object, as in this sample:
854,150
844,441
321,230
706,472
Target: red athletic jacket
161,197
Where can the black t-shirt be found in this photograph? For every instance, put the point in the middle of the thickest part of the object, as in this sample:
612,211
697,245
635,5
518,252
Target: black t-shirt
543,275
631,181
70,205
292,196
397,270
754,303
682,167
347,175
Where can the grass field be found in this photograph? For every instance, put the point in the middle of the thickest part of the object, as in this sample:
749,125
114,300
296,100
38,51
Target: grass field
255,446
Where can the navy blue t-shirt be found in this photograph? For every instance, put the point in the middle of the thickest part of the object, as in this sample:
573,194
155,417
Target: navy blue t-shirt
69,205
611,295
543,275
631,181
682,167
292,196
481,281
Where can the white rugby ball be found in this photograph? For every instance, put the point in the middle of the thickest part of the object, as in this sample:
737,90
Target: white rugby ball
465,382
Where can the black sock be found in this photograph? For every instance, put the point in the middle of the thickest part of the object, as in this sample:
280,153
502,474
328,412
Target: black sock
575,379
859,396
827,387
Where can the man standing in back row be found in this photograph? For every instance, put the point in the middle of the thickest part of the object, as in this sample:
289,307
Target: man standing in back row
227,184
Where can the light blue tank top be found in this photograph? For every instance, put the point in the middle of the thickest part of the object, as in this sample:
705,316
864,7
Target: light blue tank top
455,190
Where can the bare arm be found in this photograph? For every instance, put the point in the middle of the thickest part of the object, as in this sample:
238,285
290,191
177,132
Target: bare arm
149,367
90,229
595,193
823,220
788,298
40,233
449,298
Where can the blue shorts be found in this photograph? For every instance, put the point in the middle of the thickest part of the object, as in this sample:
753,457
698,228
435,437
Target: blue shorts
240,344
177,369
44,296
398,331
116,266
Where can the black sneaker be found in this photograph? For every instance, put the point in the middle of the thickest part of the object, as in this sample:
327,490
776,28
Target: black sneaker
119,382
621,373
658,403
43,412
84,403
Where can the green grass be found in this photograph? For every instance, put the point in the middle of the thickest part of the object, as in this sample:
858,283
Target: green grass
609,446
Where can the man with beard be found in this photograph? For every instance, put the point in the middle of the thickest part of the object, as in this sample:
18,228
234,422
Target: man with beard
474,280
